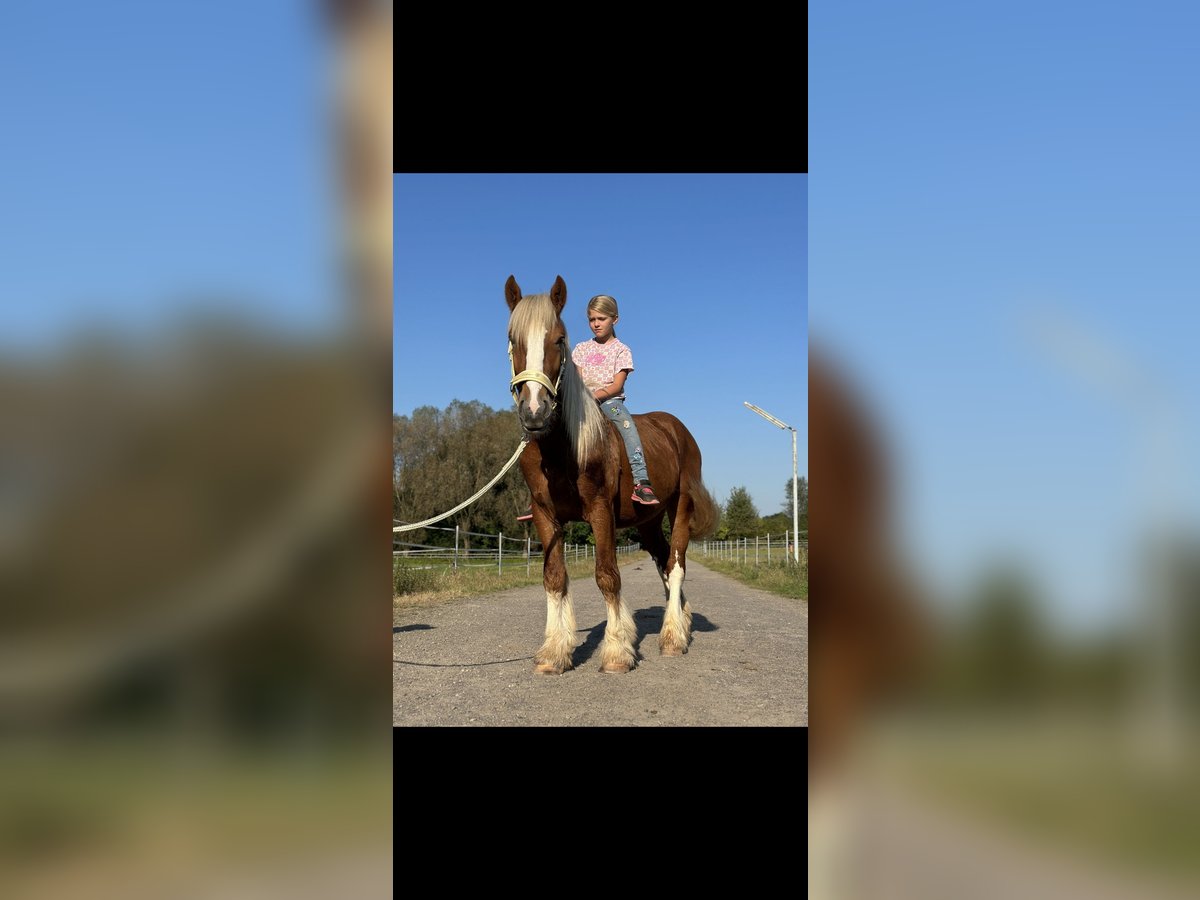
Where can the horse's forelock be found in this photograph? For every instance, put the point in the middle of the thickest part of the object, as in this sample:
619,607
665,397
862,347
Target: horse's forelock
535,311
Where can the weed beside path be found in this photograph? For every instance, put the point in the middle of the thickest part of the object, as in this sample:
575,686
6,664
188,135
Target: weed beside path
785,579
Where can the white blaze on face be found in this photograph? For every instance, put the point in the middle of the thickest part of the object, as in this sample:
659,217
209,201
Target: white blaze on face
535,360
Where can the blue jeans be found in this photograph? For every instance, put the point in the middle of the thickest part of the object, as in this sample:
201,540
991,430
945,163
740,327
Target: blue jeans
616,411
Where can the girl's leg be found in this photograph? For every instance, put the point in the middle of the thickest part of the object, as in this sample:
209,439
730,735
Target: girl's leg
616,411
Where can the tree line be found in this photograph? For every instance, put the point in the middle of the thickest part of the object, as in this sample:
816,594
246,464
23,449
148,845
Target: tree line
442,456
740,518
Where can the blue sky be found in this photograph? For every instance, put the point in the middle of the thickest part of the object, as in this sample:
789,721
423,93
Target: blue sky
971,166
709,271
160,156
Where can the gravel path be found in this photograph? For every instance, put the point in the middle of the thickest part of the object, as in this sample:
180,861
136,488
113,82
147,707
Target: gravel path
470,661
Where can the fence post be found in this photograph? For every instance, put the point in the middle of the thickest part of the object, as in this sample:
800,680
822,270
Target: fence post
756,551
455,546
768,549
528,553
500,553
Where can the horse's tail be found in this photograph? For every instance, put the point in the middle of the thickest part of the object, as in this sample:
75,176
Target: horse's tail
705,512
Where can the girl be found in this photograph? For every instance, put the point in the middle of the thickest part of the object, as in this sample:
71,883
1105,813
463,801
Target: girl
604,363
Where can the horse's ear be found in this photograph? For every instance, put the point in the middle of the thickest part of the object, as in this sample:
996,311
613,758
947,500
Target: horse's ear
558,294
512,293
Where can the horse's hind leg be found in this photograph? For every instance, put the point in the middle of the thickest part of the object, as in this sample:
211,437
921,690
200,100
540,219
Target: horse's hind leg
656,545
554,656
617,653
676,631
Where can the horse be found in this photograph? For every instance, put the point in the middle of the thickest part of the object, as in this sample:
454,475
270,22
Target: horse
577,469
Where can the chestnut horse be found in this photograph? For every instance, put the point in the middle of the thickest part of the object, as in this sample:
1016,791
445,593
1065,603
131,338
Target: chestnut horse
577,470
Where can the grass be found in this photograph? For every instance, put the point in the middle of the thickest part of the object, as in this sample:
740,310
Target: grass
414,586
785,579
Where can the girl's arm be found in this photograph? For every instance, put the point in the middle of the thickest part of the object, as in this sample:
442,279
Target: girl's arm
613,388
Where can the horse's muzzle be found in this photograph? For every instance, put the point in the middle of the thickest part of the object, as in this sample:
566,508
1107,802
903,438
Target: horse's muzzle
537,424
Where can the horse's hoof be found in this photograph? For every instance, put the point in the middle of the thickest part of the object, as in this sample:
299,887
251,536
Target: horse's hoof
615,668
670,651
548,669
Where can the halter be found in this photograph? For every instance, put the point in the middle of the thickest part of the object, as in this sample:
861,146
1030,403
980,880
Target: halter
531,375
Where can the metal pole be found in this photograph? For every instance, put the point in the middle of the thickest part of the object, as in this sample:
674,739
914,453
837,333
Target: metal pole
528,546
455,546
795,478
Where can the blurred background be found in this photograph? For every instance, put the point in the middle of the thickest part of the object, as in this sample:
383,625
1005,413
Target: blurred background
194,473
1003,450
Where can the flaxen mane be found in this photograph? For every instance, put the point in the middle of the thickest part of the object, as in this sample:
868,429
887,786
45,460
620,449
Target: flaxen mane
531,319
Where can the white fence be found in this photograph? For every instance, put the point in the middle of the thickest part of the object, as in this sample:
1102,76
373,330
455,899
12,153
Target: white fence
756,551
511,552
506,551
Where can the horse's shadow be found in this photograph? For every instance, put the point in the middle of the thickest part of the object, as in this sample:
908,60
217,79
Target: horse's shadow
649,621
397,629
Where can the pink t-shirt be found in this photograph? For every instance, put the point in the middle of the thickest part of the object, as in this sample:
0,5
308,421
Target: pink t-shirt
600,363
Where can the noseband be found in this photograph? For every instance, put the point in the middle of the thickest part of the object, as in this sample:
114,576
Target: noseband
530,375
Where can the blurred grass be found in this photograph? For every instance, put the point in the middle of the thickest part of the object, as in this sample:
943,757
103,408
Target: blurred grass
785,579
414,586
1066,782
147,817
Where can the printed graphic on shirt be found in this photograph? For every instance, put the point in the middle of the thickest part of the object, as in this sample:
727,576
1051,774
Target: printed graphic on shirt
600,363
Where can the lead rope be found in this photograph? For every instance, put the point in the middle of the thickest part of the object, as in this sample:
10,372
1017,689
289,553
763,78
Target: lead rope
508,465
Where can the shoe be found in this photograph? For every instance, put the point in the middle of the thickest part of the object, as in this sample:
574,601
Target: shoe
527,515
644,494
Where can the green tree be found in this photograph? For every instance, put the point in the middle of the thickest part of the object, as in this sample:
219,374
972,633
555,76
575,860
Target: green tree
1004,641
787,495
578,533
442,457
739,515
778,523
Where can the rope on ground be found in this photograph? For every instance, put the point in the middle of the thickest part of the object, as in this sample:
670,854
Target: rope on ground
508,465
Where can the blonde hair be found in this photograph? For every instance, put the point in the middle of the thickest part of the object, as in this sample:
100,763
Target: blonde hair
604,304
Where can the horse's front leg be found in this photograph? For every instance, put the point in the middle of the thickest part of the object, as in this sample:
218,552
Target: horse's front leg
554,657
617,653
